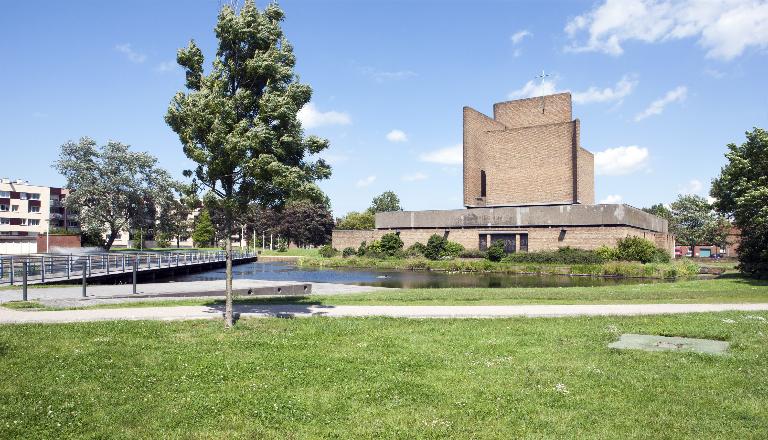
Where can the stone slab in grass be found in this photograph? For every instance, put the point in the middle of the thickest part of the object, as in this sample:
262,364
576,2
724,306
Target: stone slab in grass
629,341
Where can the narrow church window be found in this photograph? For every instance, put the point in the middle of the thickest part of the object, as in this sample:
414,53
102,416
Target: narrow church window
482,183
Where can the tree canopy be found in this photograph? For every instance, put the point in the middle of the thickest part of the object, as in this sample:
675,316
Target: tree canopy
694,222
385,202
741,192
113,188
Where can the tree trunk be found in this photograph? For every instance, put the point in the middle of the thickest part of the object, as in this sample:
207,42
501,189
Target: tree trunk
228,318
110,240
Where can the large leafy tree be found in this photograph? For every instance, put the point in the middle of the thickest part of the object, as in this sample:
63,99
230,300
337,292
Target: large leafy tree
306,223
239,122
204,234
694,222
660,210
357,220
113,188
385,202
741,192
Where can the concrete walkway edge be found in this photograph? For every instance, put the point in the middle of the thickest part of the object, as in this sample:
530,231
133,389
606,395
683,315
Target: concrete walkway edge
8,316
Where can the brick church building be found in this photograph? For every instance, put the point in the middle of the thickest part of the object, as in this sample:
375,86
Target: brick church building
528,182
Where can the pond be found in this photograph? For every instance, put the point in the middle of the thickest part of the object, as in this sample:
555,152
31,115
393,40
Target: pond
400,278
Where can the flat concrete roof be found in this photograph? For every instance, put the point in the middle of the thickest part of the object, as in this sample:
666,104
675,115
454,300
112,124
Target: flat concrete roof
524,216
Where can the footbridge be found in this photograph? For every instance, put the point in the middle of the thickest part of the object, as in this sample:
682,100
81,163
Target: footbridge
109,266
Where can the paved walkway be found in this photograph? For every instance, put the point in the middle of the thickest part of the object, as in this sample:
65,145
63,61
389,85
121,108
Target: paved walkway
71,296
301,311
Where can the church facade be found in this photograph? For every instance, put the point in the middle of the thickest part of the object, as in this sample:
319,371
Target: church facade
528,182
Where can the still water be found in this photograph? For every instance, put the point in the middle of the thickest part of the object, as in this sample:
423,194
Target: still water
399,278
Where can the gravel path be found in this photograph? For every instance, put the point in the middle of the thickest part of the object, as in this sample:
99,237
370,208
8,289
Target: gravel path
8,316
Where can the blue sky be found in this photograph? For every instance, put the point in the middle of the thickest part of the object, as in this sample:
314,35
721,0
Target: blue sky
660,86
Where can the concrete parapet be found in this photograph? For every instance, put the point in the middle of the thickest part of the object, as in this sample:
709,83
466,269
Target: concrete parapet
524,216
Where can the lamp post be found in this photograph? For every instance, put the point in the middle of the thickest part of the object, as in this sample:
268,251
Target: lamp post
48,236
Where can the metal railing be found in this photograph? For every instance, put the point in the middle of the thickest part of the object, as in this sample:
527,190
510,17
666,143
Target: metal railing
42,268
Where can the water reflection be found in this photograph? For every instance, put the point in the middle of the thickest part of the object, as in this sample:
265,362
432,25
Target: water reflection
399,278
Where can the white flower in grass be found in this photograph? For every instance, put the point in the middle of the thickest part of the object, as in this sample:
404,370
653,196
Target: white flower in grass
759,318
561,388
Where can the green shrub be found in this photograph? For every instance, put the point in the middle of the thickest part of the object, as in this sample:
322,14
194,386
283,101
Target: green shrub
348,252
607,253
496,251
661,256
453,249
416,250
565,255
639,249
390,244
435,247
361,249
472,253
281,247
326,251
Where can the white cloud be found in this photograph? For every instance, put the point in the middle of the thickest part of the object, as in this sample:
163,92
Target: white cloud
383,75
725,28
132,55
624,87
414,177
446,156
397,136
518,36
693,186
167,66
311,117
365,181
611,199
657,106
534,88
621,160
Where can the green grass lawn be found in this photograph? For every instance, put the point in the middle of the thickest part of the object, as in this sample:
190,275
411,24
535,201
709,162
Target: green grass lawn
293,252
383,378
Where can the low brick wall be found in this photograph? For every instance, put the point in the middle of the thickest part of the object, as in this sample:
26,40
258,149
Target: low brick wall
63,241
539,239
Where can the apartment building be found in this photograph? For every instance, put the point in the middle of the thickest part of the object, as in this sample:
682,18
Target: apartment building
28,210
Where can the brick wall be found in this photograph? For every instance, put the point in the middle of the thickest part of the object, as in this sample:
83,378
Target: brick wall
544,110
586,177
58,241
530,154
539,239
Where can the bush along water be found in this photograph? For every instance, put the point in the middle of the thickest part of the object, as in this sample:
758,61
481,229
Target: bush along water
632,257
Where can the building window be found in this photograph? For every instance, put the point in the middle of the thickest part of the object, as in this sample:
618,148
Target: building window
33,196
34,209
73,224
5,194
483,243
5,221
14,208
524,242
23,222
4,208
34,222
23,196
482,183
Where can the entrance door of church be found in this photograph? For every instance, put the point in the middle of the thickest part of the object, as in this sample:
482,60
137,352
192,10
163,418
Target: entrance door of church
508,239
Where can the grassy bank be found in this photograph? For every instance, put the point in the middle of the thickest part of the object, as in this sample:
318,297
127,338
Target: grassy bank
382,378
614,268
